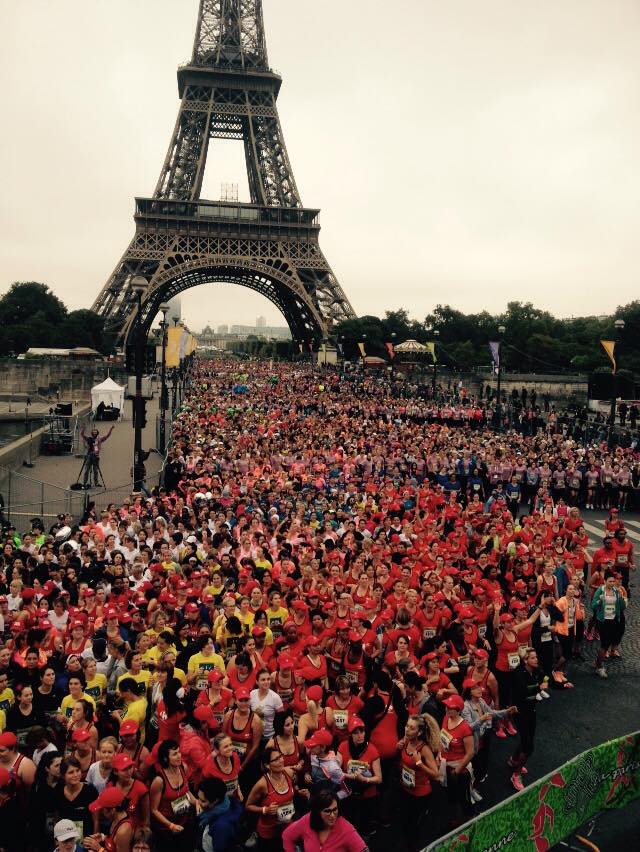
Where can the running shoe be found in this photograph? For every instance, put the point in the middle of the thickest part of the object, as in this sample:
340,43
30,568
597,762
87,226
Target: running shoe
516,780
500,732
251,841
601,672
544,693
510,729
475,796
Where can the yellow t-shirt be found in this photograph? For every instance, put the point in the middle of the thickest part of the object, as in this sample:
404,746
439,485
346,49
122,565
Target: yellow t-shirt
199,661
136,710
96,687
144,676
277,618
66,705
3,721
7,699
152,655
247,621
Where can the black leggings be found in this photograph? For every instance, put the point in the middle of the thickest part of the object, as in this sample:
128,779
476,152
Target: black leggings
505,687
527,729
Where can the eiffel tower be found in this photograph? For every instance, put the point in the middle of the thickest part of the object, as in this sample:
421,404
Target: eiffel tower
227,91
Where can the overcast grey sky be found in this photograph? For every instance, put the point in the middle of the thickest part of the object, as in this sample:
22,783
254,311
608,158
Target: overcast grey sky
467,152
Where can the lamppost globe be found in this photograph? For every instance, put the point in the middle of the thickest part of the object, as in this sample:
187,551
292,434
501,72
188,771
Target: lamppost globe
501,329
619,325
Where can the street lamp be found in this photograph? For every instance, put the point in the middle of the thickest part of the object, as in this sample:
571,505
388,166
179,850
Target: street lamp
434,381
619,327
501,331
364,351
139,286
164,401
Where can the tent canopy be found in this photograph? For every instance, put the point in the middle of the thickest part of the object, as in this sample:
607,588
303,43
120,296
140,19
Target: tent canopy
410,346
108,392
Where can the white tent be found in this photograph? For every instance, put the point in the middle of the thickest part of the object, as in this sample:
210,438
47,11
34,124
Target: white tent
108,392
410,346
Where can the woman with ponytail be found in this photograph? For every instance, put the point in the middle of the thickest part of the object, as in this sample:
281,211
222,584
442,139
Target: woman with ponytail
418,751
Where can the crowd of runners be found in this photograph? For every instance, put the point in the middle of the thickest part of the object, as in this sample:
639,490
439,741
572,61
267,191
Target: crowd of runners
315,630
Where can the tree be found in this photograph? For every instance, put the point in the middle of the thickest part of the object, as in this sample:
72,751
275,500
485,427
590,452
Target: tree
27,298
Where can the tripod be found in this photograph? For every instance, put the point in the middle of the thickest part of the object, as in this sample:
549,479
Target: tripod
90,464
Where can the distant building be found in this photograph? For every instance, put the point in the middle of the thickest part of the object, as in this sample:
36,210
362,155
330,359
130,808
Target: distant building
261,322
280,332
223,329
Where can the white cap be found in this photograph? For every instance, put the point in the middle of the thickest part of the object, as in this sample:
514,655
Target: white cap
65,830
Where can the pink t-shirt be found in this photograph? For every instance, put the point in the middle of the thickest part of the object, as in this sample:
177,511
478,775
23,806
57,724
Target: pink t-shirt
343,838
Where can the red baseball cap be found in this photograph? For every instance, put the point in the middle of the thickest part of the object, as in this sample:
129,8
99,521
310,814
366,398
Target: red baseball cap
355,722
242,692
80,736
122,761
321,737
314,693
215,676
454,701
128,727
110,797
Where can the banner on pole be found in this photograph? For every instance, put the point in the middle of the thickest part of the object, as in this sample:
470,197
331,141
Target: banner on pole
609,347
174,334
603,778
362,350
390,350
494,346
431,349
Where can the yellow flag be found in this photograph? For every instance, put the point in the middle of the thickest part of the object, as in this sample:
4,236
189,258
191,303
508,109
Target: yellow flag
174,333
431,349
362,350
609,347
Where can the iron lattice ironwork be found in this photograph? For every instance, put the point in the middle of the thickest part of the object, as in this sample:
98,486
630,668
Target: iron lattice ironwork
227,91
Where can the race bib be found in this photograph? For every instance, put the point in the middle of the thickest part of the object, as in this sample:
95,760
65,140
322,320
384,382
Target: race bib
445,739
231,786
482,630
352,677
607,479
79,824
180,805
429,633
609,611
240,748
340,719
286,812
201,683
622,559
546,636
513,660
408,777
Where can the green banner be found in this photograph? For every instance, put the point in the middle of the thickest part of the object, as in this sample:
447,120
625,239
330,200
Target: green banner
602,778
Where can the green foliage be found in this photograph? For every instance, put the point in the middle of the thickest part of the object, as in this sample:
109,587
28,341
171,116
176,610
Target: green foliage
32,316
534,340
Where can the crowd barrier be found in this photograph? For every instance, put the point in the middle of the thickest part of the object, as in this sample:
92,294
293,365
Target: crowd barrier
603,778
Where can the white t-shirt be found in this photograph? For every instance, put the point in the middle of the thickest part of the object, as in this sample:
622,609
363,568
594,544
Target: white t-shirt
266,708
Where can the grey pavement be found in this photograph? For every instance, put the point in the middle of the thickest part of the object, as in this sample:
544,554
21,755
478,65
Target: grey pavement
116,457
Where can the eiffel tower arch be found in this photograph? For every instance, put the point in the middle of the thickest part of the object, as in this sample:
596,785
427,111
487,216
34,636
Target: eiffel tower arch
270,245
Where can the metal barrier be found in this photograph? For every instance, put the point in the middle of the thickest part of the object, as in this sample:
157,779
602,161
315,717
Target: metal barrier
26,497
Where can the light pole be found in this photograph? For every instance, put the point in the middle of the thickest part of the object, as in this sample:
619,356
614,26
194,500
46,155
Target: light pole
325,343
393,349
164,402
139,286
364,352
619,327
434,381
501,331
